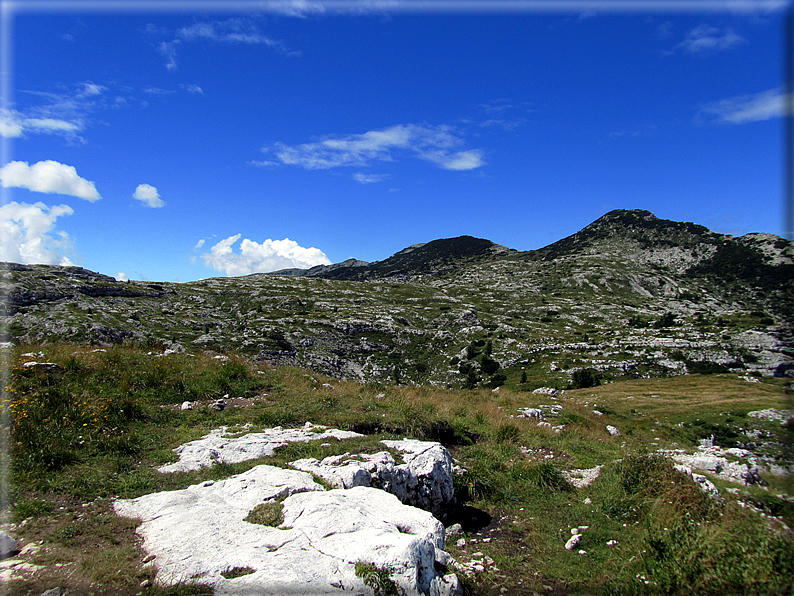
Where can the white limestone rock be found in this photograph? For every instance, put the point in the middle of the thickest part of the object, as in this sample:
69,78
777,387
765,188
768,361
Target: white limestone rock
216,447
423,480
547,391
199,534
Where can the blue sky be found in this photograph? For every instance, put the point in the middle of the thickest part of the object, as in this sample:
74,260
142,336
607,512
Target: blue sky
179,145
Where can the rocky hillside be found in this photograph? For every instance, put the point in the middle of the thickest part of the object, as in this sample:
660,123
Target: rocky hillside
630,295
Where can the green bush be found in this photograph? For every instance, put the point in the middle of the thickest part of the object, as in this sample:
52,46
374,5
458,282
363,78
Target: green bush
585,377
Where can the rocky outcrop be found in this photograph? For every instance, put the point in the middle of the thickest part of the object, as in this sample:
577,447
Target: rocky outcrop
423,480
217,447
200,534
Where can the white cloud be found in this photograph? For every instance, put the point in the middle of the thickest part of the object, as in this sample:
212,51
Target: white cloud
270,255
704,38
13,124
121,276
158,91
194,89
10,125
168,49
63,113
435,144
48,177
25,234
50,125
199,244
238,31
368,178
747,108
147,194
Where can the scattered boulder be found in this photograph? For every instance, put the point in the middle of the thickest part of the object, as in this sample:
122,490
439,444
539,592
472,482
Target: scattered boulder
530,413
199,533
613,431
583,477
8,545
573,542
776,415
547,391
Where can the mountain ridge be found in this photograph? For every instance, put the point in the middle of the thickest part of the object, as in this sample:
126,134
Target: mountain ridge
630,294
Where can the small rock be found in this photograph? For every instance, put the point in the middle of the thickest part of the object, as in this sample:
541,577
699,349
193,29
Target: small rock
149,558
218,405
588,501
573,542
461,543
611,542
52,592
186,405
613,431
7,545
454,530
582,552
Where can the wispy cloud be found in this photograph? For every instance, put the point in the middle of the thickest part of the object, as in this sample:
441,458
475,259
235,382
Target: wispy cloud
194,89
363,178
705,38
168,50
503,124
503,113
437,144
148,195
65,113
270,255
233,31
765,105
26,234
48,177
158,91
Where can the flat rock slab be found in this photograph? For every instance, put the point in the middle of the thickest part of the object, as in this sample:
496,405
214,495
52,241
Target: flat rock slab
216,447
424,479
199,534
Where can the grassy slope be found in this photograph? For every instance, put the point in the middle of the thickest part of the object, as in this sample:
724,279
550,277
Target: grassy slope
95,428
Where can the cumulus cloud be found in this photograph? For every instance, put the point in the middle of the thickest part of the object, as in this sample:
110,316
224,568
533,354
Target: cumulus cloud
704,38
148,195
765,105
437,144
270,255
48,177
121,276
26,234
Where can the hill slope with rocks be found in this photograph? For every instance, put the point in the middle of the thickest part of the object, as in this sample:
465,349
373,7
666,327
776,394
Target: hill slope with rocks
628,296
